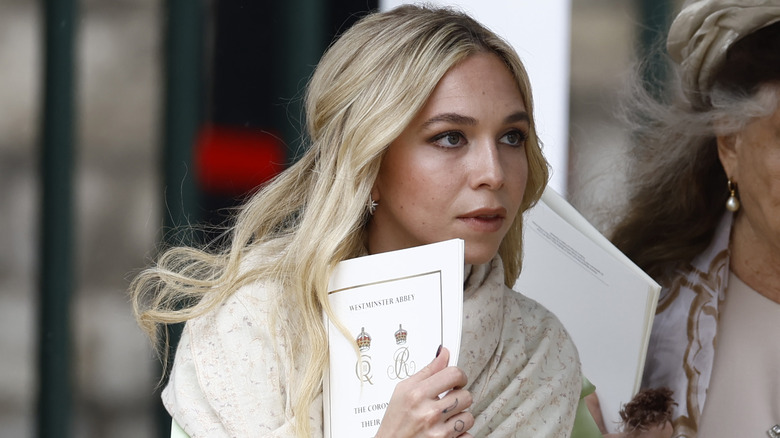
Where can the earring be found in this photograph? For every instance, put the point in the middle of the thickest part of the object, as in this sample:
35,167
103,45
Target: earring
371,205
732,204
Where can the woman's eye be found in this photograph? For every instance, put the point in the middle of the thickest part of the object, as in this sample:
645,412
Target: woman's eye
449,140
514,138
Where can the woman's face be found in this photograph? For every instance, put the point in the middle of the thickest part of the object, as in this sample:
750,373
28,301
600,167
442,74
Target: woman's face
752,159
459,169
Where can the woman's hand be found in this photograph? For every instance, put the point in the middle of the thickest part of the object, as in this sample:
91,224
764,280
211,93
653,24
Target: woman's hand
415,409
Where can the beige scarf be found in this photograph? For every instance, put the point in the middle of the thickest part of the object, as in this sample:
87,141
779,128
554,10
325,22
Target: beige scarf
523,368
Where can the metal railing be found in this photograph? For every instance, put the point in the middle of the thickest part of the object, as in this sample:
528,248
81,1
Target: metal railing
56,237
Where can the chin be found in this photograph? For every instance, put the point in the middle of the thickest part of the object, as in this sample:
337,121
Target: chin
479,257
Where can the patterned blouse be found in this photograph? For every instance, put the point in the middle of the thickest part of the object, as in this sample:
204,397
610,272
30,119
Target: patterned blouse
682,344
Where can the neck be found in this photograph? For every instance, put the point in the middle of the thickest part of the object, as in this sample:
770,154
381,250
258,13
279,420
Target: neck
755,260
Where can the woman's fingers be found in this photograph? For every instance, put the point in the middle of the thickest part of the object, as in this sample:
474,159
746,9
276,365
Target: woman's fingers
436,378
417,410
437,364
454,402
459,425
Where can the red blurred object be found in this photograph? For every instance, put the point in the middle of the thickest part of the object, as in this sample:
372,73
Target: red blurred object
234,161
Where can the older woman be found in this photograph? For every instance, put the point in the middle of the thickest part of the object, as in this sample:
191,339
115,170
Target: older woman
704,219
421,129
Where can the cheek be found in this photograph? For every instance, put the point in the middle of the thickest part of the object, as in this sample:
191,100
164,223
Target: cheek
759,187
405,169
426,179
760,171
517,178
404,186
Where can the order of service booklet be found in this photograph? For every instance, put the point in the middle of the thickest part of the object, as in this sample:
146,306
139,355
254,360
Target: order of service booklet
604,300
398,308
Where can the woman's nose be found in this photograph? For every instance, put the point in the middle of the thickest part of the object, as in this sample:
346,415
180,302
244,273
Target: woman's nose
487,170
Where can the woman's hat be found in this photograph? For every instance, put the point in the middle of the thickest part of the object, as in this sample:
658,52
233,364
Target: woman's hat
702,33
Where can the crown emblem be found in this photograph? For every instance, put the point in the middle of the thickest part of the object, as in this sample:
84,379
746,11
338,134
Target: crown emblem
363,340
400,335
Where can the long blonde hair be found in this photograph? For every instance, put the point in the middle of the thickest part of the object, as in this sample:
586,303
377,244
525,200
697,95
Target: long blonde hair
366,89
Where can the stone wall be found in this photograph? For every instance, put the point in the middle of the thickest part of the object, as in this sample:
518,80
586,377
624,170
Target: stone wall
117,212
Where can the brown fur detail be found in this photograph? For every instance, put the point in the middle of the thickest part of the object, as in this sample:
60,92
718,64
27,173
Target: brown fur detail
650,407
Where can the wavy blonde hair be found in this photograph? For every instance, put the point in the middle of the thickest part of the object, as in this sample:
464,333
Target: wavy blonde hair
366,89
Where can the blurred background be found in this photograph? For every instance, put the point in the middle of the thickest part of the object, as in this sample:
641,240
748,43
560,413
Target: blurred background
122,119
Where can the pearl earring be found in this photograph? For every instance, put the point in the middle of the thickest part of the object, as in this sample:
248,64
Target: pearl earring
732,204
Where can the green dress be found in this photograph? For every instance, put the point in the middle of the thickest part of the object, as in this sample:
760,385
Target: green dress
584,424
177,431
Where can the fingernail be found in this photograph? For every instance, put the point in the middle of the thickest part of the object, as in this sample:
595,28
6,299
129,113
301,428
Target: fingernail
438,351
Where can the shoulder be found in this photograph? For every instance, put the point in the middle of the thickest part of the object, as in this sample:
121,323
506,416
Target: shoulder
539,360
229,370
242,317
530,314
533,332
518,301
532,329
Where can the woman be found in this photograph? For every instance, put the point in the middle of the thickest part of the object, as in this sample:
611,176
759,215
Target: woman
704,219
421,129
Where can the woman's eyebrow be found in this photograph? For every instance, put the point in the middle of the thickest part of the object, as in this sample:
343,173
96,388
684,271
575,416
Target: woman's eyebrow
520,116
459,119
455,118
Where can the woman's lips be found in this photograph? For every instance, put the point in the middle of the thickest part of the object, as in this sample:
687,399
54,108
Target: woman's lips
484,220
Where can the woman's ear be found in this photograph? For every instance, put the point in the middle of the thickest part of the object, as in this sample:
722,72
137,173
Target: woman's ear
727,152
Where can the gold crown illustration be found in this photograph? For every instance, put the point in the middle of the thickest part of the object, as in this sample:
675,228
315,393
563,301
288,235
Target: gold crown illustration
363,340
400,335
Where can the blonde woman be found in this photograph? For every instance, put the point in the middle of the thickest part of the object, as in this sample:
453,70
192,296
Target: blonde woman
421,129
